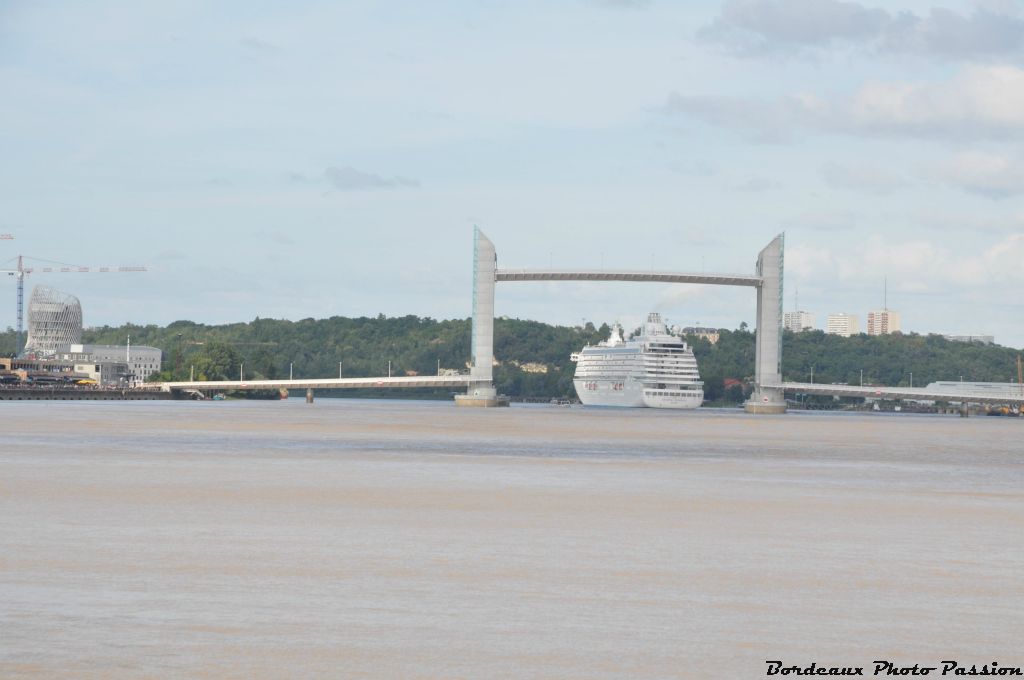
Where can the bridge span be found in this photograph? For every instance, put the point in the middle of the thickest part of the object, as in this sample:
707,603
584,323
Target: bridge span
613,275
321,383
1008,396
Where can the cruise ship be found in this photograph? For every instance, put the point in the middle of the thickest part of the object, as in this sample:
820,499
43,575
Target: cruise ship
656,369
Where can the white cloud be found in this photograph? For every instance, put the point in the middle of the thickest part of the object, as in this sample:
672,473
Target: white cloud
911,266
349,179
760,25
988,174
834,220
863,178
978,102
757,183
622,4
754,27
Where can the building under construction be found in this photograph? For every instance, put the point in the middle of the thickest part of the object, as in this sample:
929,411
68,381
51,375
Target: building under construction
54,321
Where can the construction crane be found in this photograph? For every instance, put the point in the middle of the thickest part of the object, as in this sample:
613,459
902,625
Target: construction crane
62,268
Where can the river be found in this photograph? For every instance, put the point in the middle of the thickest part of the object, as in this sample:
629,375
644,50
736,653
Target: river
361,538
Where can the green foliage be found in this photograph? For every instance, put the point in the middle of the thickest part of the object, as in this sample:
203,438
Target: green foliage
890,359
417,345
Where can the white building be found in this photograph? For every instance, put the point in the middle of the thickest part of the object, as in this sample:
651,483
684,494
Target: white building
798,321
141,361
842,324
883,322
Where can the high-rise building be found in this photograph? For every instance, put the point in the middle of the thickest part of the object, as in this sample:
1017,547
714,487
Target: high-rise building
883,322
54,319
842,324
798,321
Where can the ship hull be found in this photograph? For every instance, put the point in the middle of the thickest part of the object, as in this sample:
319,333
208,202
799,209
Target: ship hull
673,399
610,392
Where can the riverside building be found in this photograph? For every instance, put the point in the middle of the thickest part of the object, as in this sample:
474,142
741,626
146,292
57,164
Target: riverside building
135,363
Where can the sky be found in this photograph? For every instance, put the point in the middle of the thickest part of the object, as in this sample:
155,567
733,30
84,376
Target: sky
311,159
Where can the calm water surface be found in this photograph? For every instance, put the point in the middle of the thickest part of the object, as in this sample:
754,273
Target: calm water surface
416,540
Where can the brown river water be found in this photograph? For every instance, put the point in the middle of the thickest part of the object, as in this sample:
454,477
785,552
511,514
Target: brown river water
398,539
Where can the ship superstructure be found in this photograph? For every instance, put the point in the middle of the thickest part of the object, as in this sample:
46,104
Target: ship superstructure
656,369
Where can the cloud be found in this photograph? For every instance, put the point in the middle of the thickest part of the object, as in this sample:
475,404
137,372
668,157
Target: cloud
862,178
983,100
762,121
948,34
693,168
915,266
823,220
796,27
255,44
978,102
754,184
754,26
622,4
349,179
992,175
277,236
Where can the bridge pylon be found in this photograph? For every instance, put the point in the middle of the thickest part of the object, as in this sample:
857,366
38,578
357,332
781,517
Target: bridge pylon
768,336
481,390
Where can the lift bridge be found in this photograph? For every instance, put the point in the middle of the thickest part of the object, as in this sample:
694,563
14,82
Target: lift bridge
766,280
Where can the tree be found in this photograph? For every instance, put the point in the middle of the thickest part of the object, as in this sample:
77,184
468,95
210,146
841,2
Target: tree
217,361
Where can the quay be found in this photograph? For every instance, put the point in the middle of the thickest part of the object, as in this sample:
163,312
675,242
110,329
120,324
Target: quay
64,393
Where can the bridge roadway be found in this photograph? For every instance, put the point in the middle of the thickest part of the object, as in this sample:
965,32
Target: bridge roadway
613,275
321,383
1010,396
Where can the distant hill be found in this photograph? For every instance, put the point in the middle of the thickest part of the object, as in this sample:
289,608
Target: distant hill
533,356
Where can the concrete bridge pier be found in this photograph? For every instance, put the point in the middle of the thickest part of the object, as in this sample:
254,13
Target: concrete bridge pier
309,395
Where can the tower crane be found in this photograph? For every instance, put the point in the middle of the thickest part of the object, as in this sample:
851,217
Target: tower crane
62,268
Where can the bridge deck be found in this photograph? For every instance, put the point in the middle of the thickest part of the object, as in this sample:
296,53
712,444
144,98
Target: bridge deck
321,383
650,277
919,393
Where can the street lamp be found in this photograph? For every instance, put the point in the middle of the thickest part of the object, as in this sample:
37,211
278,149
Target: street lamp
812,375
241,372
911,379
862,377
291,368
339,370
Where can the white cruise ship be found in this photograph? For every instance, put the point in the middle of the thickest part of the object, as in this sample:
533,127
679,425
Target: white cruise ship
657,370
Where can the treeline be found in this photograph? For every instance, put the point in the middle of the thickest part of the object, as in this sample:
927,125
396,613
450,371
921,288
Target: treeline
533,356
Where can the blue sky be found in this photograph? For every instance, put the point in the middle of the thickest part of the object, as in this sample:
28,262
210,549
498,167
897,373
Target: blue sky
297,160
